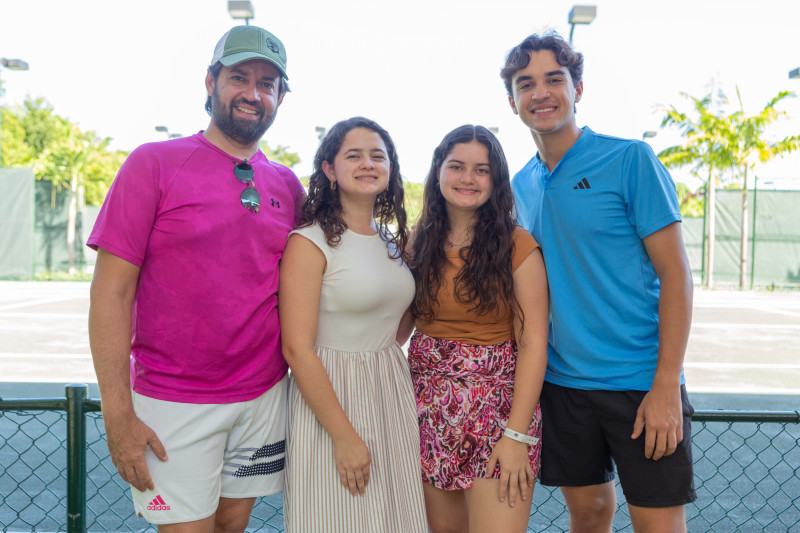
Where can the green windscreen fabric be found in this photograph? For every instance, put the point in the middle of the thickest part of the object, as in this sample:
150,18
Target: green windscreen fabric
16,222
773,242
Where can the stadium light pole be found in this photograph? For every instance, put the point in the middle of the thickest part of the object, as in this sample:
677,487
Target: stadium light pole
580,15
10,64
241,9
164,129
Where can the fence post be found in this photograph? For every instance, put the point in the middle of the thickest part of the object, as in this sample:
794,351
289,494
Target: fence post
76,457
753,250
703,240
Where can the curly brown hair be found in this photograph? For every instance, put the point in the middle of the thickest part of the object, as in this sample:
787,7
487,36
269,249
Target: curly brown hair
519,57
323,206
487,272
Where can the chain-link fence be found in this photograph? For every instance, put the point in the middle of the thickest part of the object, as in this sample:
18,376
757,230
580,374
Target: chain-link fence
747,467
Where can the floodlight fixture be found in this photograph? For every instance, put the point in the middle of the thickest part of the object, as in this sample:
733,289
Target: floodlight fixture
580,15
170,135
241,9
14,64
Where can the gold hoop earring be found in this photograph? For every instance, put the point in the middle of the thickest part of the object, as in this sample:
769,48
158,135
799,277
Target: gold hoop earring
333,185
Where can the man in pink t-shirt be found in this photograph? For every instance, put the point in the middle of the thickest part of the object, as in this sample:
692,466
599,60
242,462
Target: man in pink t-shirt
183,323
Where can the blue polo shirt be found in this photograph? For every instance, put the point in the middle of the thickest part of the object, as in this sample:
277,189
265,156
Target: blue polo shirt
590,215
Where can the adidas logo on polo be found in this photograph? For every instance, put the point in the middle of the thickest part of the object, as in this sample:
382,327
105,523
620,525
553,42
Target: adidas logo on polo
158,504
583,184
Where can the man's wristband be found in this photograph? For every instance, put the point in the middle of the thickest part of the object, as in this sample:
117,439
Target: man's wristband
520,437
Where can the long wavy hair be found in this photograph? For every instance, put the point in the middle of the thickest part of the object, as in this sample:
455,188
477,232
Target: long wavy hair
324,207
487,272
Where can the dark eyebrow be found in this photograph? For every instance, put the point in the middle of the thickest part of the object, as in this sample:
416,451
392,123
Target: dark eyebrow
523,78
462,163
359,150
550,74
243,72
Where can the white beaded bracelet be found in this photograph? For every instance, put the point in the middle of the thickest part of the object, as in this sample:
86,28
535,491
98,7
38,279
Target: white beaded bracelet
520,437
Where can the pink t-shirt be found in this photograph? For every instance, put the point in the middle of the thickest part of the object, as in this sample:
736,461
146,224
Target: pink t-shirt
205,316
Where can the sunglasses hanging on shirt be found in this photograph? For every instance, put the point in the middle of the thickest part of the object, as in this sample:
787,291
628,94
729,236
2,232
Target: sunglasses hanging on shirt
250,197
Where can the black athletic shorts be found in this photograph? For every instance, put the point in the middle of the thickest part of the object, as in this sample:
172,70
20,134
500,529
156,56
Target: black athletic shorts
585,432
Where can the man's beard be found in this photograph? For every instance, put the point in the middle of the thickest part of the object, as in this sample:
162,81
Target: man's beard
242,131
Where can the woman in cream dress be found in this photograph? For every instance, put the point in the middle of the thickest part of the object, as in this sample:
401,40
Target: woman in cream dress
353,446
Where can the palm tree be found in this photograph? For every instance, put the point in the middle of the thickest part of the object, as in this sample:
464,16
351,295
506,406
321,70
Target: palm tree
67,165
749,148
706,152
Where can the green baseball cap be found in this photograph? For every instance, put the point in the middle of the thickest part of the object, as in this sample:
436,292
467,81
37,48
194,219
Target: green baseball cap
242,43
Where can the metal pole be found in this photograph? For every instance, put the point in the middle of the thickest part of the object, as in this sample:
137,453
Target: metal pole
1,136
703,240
753,235
76,458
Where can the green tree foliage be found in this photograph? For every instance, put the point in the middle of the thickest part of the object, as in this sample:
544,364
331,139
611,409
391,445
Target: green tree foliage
67,164
691,202
281,154
72,160
723,146
413,201
748,148
35,136
705,152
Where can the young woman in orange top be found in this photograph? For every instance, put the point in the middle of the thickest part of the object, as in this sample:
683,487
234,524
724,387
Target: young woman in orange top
479,352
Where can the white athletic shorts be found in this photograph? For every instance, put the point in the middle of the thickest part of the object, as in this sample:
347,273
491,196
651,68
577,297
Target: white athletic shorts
234,450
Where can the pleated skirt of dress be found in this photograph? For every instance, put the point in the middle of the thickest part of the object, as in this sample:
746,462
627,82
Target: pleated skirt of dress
375,391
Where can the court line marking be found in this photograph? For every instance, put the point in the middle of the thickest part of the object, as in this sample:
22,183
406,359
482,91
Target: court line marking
39,301
759,308
749,366
740,390
28,355
728,325
44,315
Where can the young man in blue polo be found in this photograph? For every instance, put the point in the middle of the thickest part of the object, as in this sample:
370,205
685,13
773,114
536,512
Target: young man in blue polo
606,214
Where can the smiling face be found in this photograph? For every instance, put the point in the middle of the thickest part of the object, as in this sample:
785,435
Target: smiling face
465,177
245,100
544,96
361,166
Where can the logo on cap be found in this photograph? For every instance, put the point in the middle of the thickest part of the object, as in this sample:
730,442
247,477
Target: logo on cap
272,46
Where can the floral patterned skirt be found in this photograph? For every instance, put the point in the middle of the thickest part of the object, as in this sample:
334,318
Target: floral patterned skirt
463,394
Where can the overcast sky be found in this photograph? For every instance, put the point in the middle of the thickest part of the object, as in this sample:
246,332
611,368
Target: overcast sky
418,67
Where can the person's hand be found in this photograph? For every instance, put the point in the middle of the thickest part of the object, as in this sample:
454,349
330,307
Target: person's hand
660,415
352,462
516,477
128,439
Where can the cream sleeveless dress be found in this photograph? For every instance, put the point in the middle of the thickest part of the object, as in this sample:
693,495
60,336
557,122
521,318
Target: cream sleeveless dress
364,294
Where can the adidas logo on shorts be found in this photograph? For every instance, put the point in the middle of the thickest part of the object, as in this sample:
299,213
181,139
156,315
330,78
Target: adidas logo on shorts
158,504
